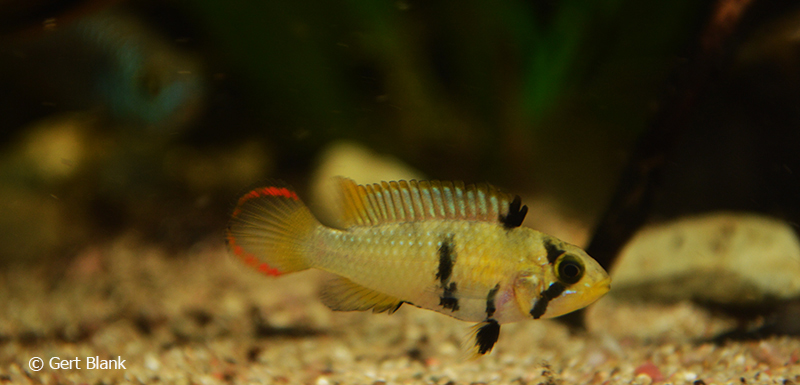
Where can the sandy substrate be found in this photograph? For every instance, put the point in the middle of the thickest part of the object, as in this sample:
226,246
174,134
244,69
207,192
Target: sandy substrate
200,318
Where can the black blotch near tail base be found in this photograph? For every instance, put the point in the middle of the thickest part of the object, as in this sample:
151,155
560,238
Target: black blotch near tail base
487,336
540,307
516,214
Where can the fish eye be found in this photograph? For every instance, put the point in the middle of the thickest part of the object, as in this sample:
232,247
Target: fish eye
569,269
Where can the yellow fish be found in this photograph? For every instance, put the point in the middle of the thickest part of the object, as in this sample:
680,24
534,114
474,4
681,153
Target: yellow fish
443,246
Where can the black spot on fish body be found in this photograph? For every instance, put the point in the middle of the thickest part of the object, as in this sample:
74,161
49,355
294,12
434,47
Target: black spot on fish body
447,259
487,335
552,292
515,215
490,306
449,303
448,300
553,252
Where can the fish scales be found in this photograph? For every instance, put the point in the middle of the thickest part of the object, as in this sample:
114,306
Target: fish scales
402,260
445,246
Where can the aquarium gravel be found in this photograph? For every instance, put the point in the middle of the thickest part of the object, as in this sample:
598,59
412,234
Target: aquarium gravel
199,318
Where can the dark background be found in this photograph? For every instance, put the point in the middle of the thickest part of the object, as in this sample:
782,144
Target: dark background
154,116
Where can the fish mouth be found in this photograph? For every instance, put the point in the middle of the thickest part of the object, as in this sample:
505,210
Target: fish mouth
578,300
598,290
594,292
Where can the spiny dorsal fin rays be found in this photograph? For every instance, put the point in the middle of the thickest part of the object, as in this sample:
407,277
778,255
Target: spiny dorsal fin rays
406,201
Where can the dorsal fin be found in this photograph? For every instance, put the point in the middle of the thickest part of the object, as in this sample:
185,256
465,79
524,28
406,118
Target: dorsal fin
407,201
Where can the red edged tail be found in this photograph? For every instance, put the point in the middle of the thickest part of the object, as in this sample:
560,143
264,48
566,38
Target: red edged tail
270,229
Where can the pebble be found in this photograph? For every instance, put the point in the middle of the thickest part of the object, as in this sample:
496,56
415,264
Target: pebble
650,370
748,257
151,362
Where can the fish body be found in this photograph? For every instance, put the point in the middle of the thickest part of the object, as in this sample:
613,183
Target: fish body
455,249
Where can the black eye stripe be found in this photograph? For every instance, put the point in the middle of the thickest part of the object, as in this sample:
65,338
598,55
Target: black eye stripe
540,307
553,252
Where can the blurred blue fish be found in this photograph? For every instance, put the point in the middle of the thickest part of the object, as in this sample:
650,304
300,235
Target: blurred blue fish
113,61
145,79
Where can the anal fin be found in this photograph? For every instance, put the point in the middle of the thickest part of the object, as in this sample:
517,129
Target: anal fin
342,294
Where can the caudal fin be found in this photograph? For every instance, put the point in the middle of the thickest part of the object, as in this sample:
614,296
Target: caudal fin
270,229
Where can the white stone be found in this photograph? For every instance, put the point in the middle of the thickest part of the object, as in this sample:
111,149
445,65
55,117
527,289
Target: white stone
720,257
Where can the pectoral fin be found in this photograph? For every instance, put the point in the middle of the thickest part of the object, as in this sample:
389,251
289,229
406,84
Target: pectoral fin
342,294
